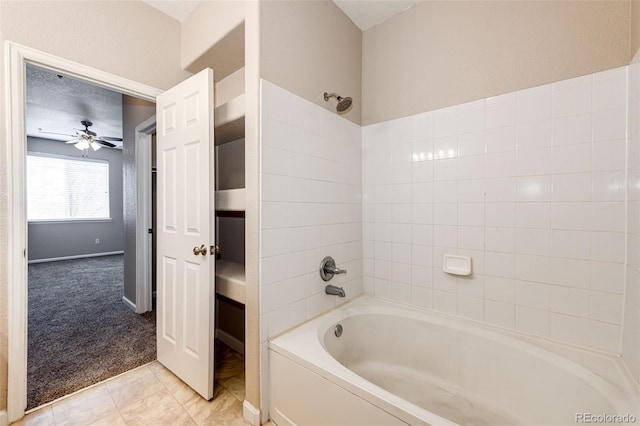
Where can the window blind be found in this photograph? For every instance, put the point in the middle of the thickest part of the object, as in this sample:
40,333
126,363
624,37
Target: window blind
66,188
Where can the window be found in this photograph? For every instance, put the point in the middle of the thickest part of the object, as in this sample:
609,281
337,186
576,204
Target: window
66,188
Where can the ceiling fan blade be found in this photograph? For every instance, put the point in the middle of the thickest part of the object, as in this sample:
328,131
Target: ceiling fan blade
105,143
111,138
55,133
74,141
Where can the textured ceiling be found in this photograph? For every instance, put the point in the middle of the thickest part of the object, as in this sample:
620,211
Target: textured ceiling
178,9
364,13
58,105
367,13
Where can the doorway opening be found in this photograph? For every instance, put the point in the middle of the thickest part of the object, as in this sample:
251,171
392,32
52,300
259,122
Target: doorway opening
19,57
83,322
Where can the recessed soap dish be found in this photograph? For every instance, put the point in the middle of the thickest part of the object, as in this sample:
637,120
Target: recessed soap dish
455,264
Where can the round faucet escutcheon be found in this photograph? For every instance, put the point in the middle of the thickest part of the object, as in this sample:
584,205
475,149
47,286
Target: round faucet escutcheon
328,268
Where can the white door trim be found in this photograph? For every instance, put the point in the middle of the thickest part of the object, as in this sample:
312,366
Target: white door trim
17,58
143,215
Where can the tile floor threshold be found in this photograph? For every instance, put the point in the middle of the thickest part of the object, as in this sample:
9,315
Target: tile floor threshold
149,395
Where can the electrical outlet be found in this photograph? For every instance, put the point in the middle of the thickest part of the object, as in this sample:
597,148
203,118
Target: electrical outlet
97,240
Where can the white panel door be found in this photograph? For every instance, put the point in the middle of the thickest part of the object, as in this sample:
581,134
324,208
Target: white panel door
185,267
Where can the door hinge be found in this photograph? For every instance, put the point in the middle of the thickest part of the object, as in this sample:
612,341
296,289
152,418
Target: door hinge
150,231
24,252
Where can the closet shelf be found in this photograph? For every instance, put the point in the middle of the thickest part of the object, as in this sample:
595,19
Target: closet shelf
230,200
230,280
229,121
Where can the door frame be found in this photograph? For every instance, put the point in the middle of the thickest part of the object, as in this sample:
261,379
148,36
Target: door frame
144,292
17,58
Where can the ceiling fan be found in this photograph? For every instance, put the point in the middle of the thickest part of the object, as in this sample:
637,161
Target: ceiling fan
85,138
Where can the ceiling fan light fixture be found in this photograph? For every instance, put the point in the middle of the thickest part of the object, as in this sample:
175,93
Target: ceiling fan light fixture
82,145
96,146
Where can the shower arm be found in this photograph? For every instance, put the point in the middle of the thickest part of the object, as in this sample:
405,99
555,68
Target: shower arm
332,95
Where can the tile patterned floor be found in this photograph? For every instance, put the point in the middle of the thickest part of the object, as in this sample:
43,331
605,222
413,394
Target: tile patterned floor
151,395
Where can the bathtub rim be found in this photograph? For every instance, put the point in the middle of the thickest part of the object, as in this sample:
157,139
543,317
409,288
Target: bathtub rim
305,344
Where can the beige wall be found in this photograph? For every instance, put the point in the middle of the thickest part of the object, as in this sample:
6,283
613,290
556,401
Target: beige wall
129,39
442,53
309,47
134,112
208,24
635,25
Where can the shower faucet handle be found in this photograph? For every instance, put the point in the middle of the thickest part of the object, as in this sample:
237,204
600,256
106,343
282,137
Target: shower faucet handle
328,268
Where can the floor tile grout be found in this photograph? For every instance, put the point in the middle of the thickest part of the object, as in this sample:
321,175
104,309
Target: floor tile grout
155,369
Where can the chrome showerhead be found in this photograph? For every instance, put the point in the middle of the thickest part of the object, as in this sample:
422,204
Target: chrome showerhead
344,104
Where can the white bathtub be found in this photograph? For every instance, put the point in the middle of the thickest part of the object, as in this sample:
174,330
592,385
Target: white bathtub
394,364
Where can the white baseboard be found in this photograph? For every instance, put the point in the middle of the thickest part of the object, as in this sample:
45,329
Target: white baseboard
129,303
78,256
229,340
4,419
250,413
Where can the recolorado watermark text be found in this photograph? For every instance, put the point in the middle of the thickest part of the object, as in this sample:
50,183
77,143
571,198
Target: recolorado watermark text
605,418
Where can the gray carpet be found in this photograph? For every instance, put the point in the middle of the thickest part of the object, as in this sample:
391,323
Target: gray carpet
80,331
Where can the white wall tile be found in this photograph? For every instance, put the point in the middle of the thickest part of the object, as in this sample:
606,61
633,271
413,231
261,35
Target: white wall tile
500,215
500,264
532,268
570,244
572,130
500,165
532,295
500,314
445,122
610,89
607,246
534,105
533,188
444,301
566,216
533,241
500,239
500,111
501,139
471,307
572,187
608,217
608,277
473,191
533,162
471,143
607,307
533,215
535,135
532,184
570,329
445,192
569,301
471,116
471,214
532,321
605,336
471,237
571,158
609,125
500,190
572,97
569,272
609,155
609,186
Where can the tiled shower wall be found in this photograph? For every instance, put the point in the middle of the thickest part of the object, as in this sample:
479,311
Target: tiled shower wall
311,180
631,329
530,184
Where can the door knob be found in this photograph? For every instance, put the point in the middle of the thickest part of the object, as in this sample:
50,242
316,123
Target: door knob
200,250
